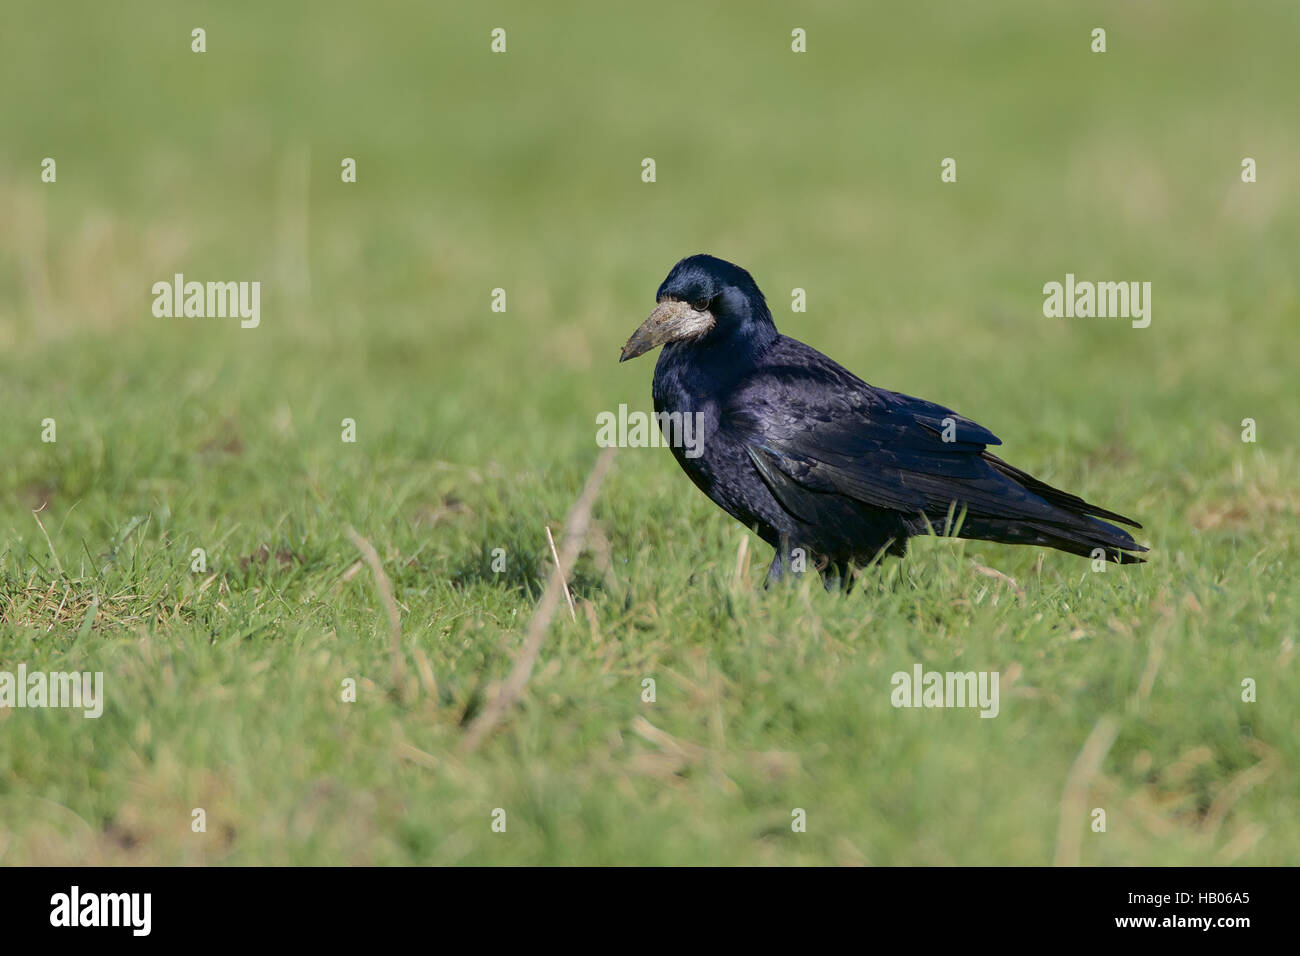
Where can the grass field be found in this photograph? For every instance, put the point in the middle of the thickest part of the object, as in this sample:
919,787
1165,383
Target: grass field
475,430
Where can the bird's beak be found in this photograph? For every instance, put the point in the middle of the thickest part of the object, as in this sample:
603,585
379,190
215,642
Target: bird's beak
671,321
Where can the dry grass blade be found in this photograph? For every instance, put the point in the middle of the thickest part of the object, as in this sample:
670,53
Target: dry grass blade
742,561
995,573
1074,800
575,535
573,612
385,588
53,554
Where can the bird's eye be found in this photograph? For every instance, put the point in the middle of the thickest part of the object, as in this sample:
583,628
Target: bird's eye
701,305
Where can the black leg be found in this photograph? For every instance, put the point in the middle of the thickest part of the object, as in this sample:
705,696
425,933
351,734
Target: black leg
835,577
774,573
784,561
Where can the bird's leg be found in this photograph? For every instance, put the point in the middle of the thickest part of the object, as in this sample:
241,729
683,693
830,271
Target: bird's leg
774,572
783,561
837,576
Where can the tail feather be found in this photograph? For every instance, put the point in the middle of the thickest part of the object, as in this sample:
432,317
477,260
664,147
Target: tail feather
1062,499
1077,530
1074,538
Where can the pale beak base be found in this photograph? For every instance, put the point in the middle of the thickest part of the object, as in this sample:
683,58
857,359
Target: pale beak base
671,321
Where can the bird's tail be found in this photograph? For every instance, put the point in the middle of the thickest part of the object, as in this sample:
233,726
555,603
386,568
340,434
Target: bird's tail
1096,539
1074,527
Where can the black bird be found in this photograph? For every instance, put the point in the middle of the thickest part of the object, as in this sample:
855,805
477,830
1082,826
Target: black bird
824,467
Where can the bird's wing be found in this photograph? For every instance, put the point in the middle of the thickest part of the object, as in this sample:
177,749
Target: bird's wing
813,427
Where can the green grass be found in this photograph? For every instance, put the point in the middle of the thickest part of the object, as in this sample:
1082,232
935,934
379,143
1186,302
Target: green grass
476,429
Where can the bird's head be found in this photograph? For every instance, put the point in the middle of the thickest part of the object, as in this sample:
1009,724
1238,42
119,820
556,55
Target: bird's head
705,301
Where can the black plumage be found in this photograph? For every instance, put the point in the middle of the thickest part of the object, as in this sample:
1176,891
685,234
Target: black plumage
810,456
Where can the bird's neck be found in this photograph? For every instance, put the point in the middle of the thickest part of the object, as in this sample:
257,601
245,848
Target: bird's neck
742,348
698,369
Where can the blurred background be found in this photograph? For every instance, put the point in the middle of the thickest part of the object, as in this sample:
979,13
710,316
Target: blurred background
522,171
